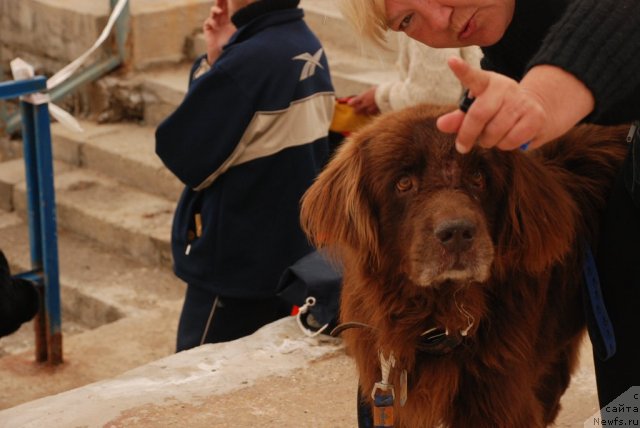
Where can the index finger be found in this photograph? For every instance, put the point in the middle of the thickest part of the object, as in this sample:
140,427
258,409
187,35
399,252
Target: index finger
475,80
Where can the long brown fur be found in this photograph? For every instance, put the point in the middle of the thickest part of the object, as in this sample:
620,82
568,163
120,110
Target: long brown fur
517,286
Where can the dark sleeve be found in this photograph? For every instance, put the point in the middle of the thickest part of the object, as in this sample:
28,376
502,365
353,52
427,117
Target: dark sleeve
598,41
199,139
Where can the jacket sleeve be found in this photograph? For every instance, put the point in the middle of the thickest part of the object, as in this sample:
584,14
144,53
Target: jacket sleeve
198,141
598,41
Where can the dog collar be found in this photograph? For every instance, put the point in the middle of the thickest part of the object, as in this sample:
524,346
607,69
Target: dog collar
433,341
439,341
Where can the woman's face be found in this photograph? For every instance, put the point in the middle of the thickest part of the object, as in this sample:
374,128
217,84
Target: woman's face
451,23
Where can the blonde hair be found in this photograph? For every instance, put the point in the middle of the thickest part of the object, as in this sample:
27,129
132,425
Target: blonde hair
368,17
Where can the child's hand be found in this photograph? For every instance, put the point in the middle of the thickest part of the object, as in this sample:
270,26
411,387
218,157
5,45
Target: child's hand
365,103
217,30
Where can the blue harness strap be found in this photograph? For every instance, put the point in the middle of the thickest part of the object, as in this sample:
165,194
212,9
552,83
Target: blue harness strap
606,346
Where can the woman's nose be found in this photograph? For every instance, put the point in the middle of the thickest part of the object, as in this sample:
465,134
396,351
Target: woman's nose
436,15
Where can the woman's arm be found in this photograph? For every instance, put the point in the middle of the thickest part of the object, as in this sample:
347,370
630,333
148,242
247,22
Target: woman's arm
588,63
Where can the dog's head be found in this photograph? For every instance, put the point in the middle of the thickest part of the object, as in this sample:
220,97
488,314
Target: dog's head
398,199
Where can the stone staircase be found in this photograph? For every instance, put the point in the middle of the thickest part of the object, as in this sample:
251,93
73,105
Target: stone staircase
114,198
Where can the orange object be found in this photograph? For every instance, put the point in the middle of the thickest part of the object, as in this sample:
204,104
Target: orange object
345,119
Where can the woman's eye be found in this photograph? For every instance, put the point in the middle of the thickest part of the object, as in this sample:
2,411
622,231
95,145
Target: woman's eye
404,184
405,22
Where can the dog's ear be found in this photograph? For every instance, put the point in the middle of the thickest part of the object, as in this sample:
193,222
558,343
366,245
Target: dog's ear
538,228
335,212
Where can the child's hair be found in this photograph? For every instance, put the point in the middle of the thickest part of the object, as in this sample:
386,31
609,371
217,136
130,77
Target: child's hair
367,16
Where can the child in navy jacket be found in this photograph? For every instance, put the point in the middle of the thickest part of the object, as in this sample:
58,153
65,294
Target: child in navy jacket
248,139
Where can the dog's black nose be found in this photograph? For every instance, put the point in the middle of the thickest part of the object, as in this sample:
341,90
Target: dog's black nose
456,235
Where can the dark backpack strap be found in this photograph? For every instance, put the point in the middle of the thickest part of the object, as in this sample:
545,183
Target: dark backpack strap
631,167
599,325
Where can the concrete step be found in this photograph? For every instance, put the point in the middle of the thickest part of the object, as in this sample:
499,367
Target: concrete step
276,377
55,32
335,33
22,341
244,383
165,88
355,64
91,356
352,76
80,304
52,33
12,174
110,187
326,21
159,29
122,151
98,285
124,219
117,314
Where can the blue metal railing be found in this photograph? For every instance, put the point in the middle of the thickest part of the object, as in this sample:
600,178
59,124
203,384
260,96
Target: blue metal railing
41,214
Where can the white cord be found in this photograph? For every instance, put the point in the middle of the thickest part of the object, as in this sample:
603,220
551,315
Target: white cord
385,368
470,318
206,327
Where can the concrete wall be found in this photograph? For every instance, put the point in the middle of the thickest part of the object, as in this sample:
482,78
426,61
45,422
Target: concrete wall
49,33
160,29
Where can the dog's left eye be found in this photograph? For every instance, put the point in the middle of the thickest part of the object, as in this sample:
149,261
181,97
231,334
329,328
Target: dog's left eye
477,180
405,183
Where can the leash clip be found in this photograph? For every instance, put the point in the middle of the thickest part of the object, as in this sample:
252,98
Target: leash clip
309,302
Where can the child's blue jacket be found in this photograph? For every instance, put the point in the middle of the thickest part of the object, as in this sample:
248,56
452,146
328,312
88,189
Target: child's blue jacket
248,140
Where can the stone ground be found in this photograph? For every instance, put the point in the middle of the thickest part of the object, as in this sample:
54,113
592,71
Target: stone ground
274,378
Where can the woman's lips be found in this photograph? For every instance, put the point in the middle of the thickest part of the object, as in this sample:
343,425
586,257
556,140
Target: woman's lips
468,29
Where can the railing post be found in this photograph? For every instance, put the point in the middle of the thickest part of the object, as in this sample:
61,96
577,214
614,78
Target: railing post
122,32
41,215
49,234
33,220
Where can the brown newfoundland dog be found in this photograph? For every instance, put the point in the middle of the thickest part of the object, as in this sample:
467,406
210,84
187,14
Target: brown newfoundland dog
466,268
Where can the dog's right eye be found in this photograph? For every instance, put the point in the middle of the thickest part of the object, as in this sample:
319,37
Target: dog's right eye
404,184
